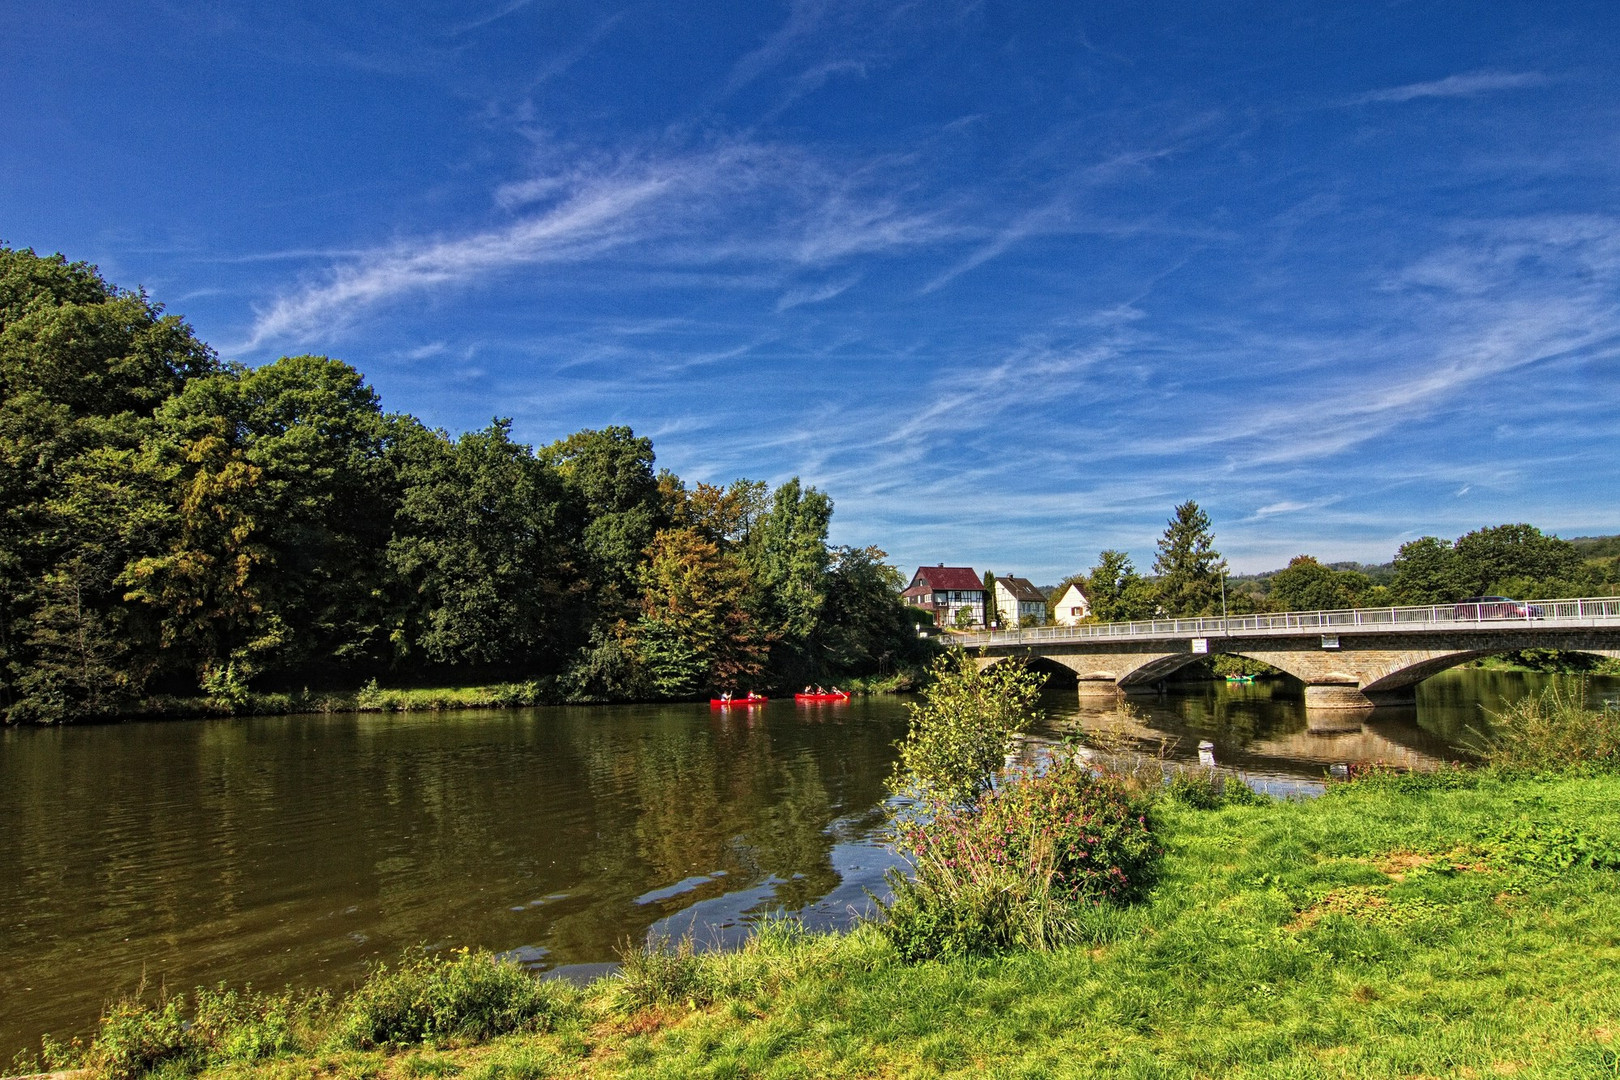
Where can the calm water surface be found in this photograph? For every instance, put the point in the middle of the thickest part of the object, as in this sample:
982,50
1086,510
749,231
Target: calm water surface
301,849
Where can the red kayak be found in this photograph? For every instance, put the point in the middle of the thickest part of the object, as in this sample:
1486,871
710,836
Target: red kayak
821,697
726,703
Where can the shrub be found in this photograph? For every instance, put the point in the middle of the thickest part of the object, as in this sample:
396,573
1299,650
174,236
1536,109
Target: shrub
232,1025
1014,868
961,731
431,999
1554,729
1448,776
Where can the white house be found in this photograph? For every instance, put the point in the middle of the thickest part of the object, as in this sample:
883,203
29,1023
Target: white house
1072,607
1019,603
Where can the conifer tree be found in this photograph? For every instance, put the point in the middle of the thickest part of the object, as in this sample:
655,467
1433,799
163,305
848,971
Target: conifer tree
1189,568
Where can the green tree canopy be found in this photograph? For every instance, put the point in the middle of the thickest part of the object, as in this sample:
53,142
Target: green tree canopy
1307,585
170,524
616,505
83,366
479,549
1116,591
1516,559
1426,572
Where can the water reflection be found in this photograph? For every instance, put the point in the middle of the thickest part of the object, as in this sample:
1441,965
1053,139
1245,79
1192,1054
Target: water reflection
300,849
1263,730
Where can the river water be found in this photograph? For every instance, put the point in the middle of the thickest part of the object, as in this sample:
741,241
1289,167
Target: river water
302,849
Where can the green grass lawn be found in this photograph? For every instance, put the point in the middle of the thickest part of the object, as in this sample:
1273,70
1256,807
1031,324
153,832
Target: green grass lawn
1382,930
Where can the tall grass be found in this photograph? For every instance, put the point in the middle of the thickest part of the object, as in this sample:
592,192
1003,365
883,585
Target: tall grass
1555,729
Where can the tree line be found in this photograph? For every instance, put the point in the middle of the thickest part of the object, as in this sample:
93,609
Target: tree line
1189,576
171,523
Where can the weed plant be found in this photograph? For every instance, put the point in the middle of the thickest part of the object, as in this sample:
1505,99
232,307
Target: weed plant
1208,789
1016,868
137,1036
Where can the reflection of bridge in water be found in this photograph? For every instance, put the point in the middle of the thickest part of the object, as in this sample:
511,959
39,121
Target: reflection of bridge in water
1353,659
1389,734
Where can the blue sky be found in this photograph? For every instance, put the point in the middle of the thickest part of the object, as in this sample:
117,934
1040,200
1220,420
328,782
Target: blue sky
1009,282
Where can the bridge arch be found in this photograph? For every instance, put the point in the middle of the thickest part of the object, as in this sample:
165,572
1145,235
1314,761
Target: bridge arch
1346,659
1395,677
1349,678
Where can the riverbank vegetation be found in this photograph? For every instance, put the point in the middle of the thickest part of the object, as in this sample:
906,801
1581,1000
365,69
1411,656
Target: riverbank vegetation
1460,923
175,527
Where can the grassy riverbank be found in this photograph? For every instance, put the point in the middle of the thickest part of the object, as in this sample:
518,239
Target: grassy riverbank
1463,925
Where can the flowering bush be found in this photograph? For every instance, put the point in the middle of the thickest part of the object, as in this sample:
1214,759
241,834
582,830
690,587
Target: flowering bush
1014,868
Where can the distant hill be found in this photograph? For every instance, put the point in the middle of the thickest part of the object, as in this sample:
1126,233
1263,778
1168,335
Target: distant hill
1596,547
1379,573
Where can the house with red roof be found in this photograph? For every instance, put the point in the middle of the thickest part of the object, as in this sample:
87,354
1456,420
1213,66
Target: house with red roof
943,591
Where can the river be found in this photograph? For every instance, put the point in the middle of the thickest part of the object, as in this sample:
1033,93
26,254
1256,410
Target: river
302,849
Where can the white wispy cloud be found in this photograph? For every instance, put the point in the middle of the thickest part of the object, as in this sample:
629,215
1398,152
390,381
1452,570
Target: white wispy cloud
593,218
813,294
512,7
1471,84
1031,223
735,206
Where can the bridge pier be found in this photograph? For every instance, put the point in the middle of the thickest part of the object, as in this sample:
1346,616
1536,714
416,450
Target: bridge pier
1328,696
1097,688
1335,696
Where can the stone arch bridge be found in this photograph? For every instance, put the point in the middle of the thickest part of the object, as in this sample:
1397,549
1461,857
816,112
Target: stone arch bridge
1354,659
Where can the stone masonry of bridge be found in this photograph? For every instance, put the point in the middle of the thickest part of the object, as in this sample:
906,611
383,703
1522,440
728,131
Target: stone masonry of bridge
1365,670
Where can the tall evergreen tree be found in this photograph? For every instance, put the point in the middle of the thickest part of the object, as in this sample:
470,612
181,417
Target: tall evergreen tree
1188,567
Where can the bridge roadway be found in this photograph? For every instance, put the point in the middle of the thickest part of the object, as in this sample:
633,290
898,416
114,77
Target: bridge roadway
1353,659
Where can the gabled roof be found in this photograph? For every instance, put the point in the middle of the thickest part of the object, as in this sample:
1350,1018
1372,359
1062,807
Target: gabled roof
1074,585
1021,589
958,578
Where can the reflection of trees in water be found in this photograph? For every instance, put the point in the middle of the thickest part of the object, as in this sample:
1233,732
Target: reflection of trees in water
734,805
300,848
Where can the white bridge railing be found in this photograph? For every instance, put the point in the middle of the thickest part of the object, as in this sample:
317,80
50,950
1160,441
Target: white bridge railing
1499,615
